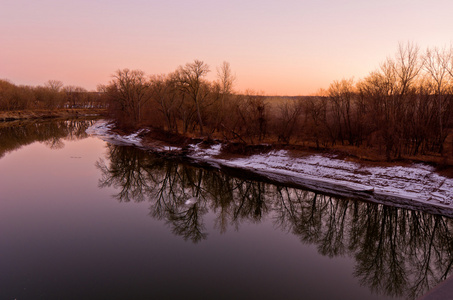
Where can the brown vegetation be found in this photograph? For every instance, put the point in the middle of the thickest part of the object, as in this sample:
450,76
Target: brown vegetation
402,110
49,113
53,95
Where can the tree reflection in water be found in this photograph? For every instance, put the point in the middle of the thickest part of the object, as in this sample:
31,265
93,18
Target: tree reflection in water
14,135
397,252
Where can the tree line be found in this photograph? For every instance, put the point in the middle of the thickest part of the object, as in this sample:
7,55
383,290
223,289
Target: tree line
52,95
405,107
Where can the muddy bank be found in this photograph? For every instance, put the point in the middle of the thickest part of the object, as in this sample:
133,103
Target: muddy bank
8,116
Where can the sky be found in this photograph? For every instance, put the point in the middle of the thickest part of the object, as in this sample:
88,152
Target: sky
274,47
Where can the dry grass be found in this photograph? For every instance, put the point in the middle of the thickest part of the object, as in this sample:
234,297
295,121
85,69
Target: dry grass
45,113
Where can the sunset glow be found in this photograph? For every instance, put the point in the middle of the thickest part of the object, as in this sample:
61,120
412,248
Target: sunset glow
274,47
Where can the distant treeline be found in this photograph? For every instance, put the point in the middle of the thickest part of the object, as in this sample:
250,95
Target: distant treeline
52,95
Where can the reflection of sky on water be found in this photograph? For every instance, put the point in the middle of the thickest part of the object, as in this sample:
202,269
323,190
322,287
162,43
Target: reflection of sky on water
63,237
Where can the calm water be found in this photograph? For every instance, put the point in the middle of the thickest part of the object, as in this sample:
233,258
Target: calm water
82,219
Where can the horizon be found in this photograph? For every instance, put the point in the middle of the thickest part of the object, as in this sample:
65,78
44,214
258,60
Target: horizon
275,48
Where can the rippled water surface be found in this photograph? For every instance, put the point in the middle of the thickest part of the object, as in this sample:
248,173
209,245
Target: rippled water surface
82,219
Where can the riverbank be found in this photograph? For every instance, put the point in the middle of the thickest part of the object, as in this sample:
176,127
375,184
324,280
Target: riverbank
6,116
410,185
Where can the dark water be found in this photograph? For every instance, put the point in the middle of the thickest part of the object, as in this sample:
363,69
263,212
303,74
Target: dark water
82,219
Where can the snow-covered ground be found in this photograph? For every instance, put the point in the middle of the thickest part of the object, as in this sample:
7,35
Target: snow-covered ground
408,186
103,129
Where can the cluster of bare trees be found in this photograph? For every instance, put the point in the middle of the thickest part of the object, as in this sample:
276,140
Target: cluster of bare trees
403,108
185,102
53,94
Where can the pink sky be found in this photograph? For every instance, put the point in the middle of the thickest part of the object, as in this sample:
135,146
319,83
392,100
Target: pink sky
275,47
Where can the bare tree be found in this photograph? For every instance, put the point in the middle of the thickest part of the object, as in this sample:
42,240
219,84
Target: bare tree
253,116
407,66
191,82
164,92
289,114
436,65
315,116
226,80
128,93
341,94
54,85
392,88
223,87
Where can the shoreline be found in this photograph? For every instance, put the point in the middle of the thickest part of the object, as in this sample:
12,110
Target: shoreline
9,116
416,186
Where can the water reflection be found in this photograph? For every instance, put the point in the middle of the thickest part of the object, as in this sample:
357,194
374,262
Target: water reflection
397,252
14,135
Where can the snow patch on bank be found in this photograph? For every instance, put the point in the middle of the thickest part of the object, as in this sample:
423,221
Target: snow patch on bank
103,129
417,182
202,152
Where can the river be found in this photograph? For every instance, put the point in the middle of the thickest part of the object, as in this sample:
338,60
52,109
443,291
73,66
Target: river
84,219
